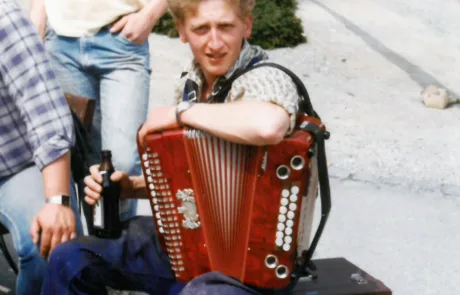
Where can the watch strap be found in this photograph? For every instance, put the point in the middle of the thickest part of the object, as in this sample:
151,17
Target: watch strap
59,199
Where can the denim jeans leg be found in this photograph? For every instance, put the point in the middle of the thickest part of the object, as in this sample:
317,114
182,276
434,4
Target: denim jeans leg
21,198
124,95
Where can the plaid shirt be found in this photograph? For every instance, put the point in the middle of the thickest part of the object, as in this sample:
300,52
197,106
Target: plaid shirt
35,120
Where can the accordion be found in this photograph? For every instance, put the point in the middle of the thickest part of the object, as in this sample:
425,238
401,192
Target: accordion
245,211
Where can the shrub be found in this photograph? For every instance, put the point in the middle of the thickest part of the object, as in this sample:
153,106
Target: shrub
275,25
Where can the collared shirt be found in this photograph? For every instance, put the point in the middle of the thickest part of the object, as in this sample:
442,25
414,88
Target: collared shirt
263,84
35,120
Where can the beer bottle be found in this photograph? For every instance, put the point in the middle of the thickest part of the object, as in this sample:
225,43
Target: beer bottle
107,213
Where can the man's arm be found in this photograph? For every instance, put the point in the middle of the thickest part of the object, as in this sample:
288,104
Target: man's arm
32,86
138,26
245,122
38,16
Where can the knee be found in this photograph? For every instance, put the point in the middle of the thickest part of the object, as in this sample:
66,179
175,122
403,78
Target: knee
66,260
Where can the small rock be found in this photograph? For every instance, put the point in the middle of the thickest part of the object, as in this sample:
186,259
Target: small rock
435,97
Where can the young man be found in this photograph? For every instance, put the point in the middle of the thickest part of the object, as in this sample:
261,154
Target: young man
100,50
260,109
36,134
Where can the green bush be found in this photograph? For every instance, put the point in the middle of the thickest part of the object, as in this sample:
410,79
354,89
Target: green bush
275,25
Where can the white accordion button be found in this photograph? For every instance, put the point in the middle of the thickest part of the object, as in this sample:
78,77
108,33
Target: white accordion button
151,186
153,194
283,210
149,179
282,218
148,171
286,247
281,226
279,234
290,215
288,231
279,242
289,223
295,190
146,164
292,207
285,193
158,215
284,202
144,156
293,198
161,230
288,239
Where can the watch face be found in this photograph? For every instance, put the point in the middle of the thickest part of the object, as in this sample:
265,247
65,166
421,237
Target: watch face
65,200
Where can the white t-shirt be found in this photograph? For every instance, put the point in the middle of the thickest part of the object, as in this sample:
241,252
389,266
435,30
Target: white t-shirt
78,18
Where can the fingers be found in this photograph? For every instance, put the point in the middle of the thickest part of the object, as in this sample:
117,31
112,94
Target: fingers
55,240
35,230
118,176
95,173
45,243
118,25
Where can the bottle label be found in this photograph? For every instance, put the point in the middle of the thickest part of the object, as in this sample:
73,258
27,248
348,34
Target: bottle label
98,219
98,214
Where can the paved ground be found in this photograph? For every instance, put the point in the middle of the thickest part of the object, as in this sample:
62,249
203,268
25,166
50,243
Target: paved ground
393,162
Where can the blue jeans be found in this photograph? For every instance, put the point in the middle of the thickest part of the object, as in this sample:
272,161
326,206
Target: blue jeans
135,261
116,73
21,198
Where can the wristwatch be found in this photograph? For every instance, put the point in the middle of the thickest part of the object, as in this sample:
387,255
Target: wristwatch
59,199
182,107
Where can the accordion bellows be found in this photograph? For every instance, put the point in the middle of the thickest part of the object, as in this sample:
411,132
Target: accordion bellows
244,211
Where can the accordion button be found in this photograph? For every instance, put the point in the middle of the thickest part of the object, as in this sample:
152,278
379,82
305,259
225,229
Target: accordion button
290,215
282,218
286,247
281,226
295,190
279,242
288,239
279,234
285,193
292,207
289,223
144,157
283,210
284,202
293,198
288,231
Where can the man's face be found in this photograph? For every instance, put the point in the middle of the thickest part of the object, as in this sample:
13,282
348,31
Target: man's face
215,33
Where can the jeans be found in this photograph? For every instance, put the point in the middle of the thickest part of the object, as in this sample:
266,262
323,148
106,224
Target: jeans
21,198
135,261
115,72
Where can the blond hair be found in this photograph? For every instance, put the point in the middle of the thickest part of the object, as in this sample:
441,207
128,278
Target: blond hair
179,8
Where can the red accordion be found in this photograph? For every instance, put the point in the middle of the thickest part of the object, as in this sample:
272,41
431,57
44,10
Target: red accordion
244,211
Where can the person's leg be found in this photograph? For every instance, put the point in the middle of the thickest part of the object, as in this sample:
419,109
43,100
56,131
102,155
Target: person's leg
75,76
216,283
21,198
124,70
133,262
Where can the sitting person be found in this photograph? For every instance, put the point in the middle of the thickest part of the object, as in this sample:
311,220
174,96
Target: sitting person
37,202
260,109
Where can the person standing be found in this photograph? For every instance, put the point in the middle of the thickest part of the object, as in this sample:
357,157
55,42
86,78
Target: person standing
100,50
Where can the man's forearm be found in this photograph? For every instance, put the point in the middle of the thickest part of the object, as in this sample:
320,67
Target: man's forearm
56,177
38,15
154,10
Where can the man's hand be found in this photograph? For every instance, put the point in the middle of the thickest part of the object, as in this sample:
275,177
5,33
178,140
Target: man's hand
136,27
160,118
56,224
38,16
93,187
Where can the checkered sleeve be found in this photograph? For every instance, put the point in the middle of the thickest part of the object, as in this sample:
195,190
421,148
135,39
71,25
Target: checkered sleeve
271,85
26,71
